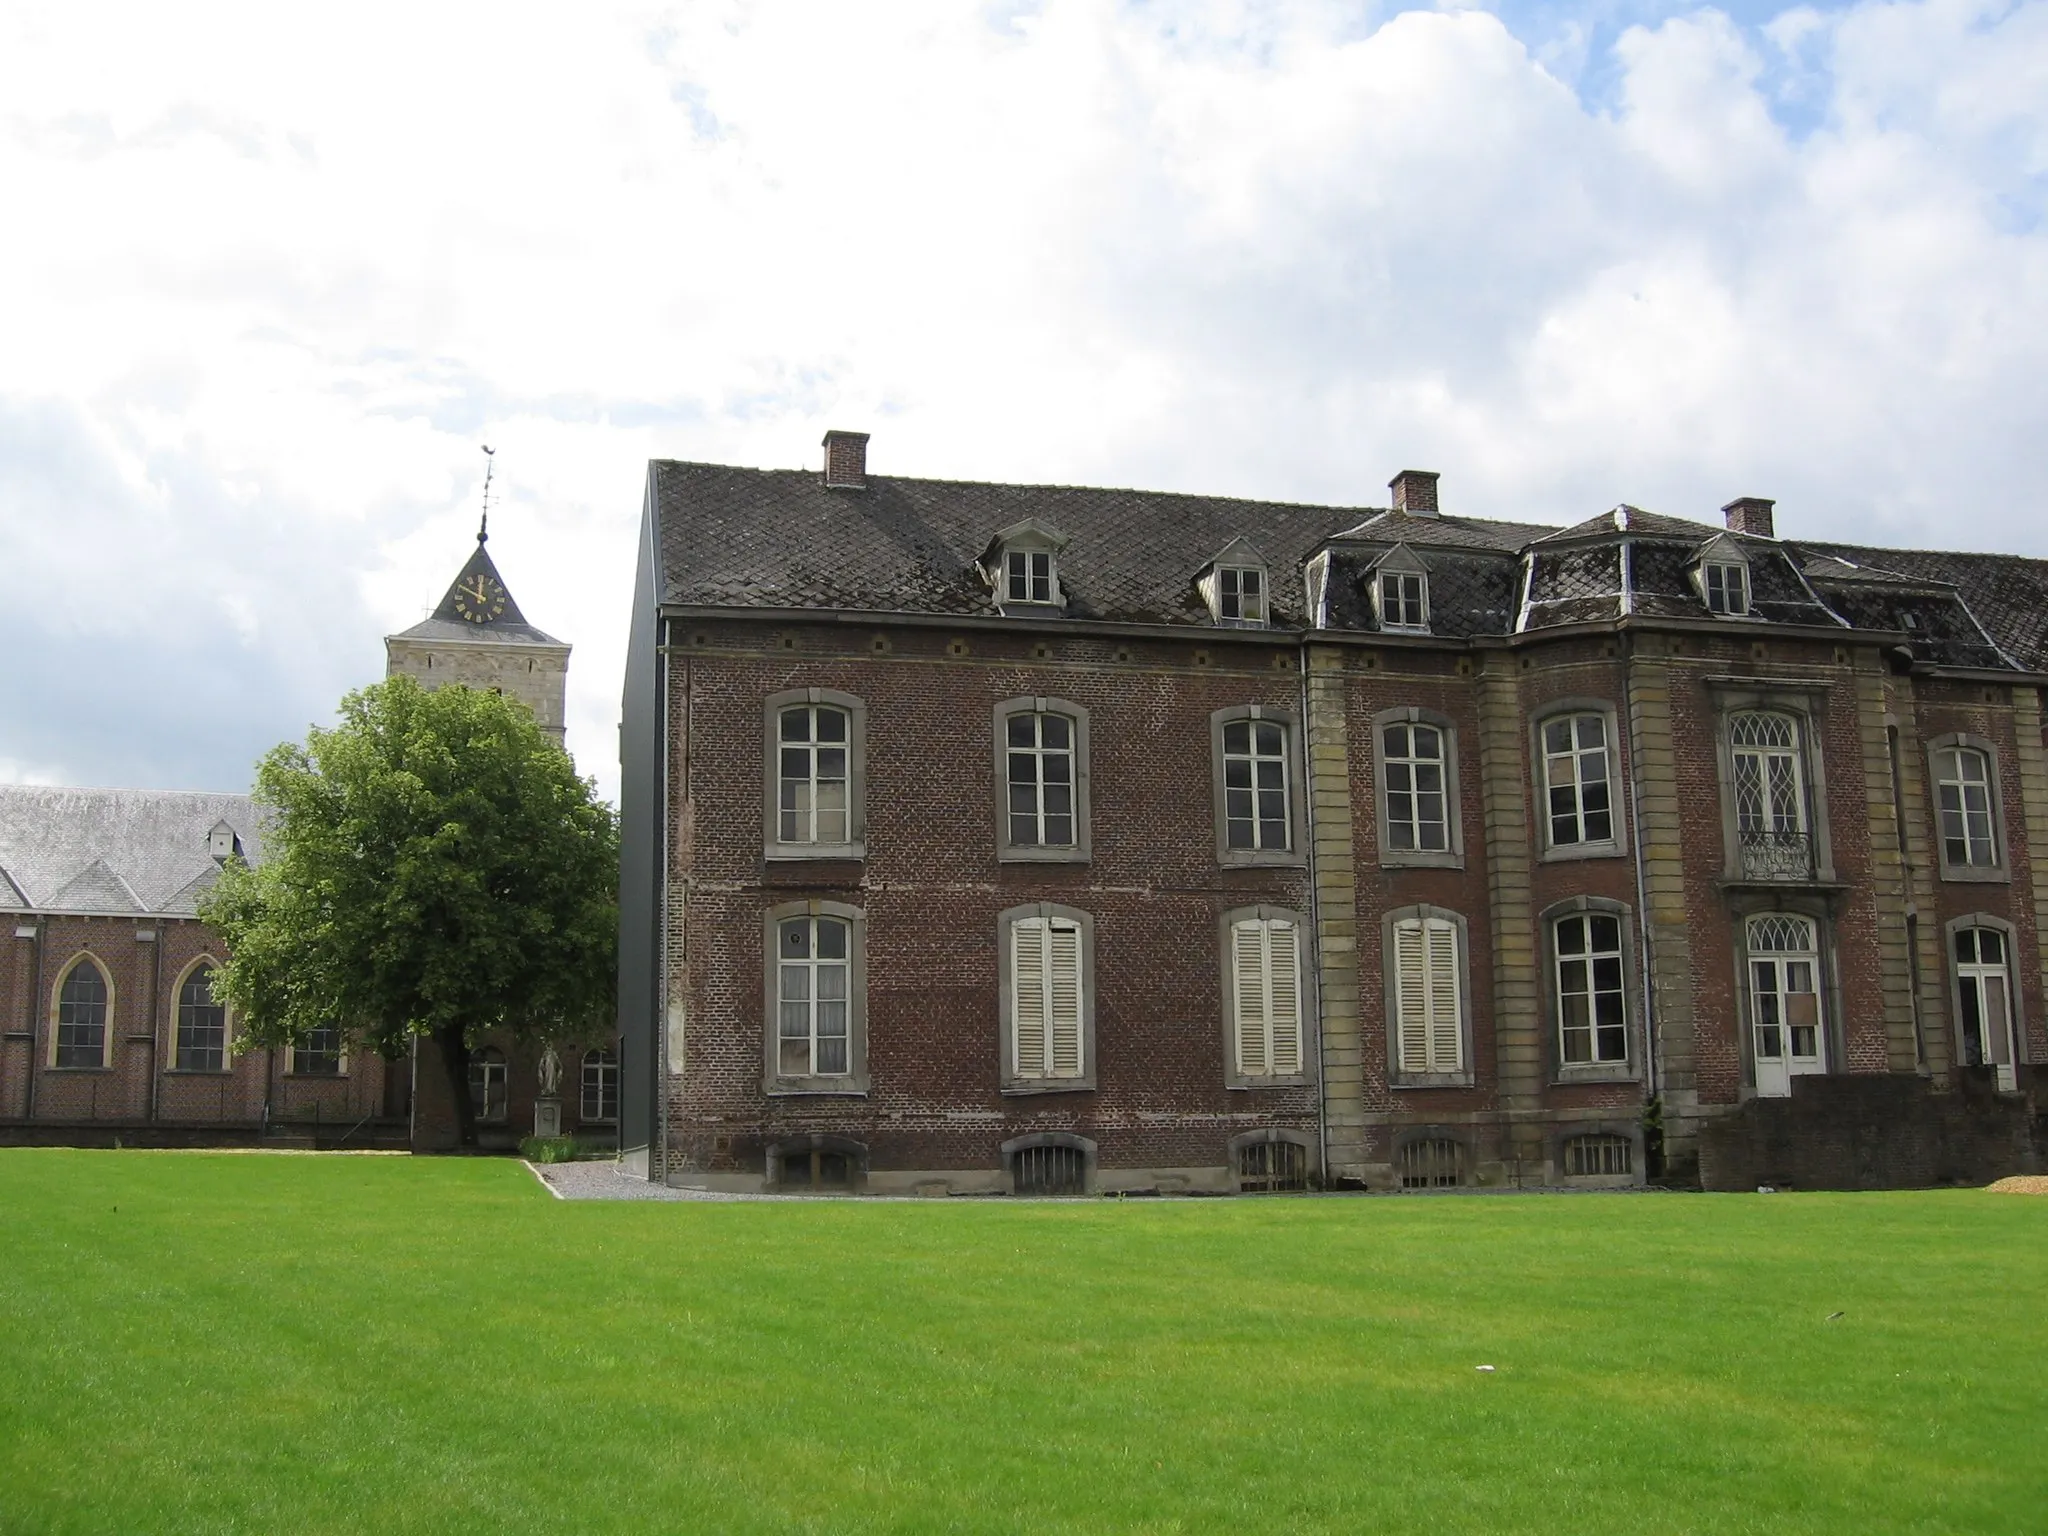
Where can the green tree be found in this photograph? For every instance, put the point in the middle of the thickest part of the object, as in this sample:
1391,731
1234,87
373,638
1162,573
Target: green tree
432,866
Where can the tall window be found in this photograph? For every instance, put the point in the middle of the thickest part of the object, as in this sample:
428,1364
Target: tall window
1265,971
1984,1001
1577,776
1255,810
1027,576
1402,600
1039,758
487,1084
813,971
1241,594
202,1025
82,1017
1770,798
812,804
1591,997
1784,995
600,1085
1962,780
317,1053
1416,805
1727,587
1428,994
1047,1006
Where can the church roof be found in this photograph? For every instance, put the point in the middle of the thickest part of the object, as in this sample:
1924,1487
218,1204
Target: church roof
470,611
114,850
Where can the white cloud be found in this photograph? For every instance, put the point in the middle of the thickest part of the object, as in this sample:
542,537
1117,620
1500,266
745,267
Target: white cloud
272,275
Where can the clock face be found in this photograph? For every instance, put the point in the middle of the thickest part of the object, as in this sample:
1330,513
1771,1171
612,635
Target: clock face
479,599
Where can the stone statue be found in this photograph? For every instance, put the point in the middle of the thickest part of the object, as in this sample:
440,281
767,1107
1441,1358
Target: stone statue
550,1073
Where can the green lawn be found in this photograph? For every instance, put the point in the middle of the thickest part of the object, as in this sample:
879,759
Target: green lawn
292,1344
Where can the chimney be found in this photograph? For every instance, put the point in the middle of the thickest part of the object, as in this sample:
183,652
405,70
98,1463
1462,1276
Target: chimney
846,461
1415,492
1750,514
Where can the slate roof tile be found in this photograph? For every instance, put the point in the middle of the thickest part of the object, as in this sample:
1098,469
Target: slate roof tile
114,849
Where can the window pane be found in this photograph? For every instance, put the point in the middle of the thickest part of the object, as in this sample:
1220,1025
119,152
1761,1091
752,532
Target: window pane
1237,737
1021,731
796,725
832,938
1055,730
831,725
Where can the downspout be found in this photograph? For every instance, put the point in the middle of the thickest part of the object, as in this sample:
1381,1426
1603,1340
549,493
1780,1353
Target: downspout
1635,800
35,1020
156,997
657,1160
1315,915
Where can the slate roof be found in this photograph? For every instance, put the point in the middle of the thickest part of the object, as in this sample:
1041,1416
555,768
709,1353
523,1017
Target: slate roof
508,627
730,537
114,850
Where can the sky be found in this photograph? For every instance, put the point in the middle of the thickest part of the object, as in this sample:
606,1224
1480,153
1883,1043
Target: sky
270,275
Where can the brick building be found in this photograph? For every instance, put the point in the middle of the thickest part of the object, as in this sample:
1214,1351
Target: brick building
988,837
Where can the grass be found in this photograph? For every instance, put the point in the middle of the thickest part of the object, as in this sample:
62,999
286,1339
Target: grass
383,1344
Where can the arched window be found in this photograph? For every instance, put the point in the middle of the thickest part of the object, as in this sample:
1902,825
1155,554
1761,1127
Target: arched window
600,1085
1962,785
202,1024
1770,796
1984,1001
1592,994
1039,748
1786,1032
487,1084
82,1016
813,771
1255,779
1577,780
813,972
1417,809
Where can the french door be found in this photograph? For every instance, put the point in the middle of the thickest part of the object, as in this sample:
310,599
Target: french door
1787,1037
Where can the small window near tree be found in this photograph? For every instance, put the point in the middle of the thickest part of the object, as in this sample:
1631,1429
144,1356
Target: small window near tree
1027,576
1427,996
82,1017
1963,792
202,1025
600,1085
1403,600
1272,1167
1727,587
813,973
1592,1000
1256,816
1433,1162
1039,755
487,1085
317,1053
1265,962
1241,594
1578,780
1598,1157
812,757
1416,805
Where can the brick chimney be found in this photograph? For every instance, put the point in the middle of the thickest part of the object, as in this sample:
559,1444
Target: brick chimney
1750,514
1415,492
846,461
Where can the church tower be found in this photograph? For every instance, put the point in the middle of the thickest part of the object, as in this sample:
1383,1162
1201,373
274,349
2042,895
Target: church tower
479,637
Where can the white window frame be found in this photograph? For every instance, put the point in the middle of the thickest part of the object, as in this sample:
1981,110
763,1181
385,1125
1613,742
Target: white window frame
775,1081
1724,588
58,1023
1968,982
1806,709
1035,1009
1029,577
1767,1001
1394,613
1024,559
1586,910
600,1062
204,964
1946,756
1243,595
1570,713
299,1053
1452,854
1256,1054
854,844
1444,1001
1292,850
1007,851
488,1063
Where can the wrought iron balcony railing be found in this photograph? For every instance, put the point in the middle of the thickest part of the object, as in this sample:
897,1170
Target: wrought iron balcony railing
1768,854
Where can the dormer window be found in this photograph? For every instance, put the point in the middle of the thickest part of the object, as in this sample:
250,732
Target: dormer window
1727,587
1029,577
1401,600
222,843
1241,594
1021,566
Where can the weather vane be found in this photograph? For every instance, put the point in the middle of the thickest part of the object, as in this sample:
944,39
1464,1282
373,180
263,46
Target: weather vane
483,527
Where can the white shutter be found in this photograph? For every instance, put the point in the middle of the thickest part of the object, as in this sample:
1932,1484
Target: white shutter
1027,996
1411,997
1064,955
1248,974
1445,1045
1283,966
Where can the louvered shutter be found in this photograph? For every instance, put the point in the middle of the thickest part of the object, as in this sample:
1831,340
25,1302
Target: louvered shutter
1411,996
1248,973
1283,942
1064,968
1027,995
1444,1042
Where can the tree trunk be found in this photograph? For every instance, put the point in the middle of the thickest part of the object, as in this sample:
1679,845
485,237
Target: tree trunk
455,1057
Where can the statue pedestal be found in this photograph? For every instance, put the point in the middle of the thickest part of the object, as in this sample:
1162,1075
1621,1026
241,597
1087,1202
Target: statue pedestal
547,1118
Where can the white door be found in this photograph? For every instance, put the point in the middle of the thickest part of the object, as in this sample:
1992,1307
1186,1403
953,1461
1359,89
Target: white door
1986,996
1786,1038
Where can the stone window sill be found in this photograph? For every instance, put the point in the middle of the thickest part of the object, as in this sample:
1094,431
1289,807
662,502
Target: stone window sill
1431,1080
1567,852
1051,1085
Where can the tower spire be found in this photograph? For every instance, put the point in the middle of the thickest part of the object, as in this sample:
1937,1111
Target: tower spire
483,527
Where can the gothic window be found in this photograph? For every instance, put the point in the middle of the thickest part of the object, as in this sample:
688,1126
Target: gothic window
82,1008
202,1025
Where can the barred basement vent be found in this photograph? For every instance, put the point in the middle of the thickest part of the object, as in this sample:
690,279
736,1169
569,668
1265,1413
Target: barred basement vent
1588,1157
817,1170
1435,1162
1266,1167
1049,1171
